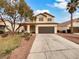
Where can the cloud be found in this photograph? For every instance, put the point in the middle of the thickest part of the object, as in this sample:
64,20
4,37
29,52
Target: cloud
40,11
60,0
61,4
76,15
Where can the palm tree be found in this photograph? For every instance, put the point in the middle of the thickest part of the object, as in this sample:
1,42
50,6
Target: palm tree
72,7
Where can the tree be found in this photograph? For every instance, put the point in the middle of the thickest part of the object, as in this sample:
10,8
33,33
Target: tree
72,7
25,10
16,11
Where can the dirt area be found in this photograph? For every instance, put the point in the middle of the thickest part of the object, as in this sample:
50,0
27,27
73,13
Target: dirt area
22,51
72,37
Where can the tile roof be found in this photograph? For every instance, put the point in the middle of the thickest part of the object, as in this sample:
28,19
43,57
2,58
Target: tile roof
44,14
68,22
48,14
41,14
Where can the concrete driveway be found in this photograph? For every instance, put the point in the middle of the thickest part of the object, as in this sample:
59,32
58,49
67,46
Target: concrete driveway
52,46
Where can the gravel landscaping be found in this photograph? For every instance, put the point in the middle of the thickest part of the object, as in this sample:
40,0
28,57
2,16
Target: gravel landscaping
72,37
24,49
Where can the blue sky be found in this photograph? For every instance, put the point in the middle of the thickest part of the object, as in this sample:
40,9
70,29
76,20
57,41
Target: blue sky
55,7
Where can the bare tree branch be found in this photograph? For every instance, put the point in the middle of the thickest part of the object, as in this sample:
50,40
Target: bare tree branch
18,27
4,23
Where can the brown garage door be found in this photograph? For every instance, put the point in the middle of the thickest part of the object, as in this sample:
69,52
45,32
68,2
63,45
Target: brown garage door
76,29
46,29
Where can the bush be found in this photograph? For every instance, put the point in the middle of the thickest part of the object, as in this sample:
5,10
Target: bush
4,35
7,51
1,31
68,31
26,35
63,31
58,31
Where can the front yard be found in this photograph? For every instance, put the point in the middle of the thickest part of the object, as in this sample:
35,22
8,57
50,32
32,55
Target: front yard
16,46
9,43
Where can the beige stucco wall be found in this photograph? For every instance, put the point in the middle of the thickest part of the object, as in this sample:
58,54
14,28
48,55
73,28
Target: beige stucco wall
16,26
75,24
7,23
45,19
60,28
48,16
21,29
9,26
1,23
39,16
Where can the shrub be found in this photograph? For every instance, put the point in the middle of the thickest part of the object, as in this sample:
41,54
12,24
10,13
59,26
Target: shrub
68,31
4,35
7,51
26,35
1,31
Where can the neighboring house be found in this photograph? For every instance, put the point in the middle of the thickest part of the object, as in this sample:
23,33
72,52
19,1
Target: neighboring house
44,23
65,26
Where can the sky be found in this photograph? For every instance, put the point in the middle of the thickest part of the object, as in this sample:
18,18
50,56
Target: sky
54,7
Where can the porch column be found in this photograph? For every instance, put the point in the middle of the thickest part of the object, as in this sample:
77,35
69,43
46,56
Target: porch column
36,29
55,28
28,28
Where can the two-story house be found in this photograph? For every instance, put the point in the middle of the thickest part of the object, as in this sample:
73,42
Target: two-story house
44,23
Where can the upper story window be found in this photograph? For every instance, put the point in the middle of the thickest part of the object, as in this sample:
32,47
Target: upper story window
41,19
49,19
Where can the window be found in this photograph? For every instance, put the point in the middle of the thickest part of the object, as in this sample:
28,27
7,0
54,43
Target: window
41,19
2,28
49,19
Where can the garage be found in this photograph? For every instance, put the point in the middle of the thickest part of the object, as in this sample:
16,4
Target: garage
76,29
46,29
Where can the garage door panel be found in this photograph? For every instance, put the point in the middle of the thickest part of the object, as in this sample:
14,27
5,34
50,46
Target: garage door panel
46,29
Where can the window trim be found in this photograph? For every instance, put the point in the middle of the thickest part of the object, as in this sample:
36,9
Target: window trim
49,19
41,19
